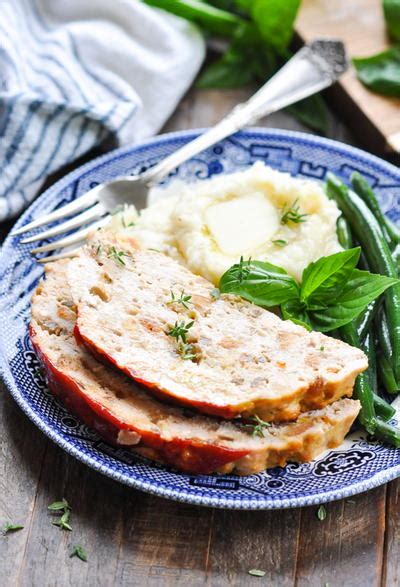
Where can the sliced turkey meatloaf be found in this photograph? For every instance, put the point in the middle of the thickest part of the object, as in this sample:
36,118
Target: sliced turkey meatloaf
160,324
126,415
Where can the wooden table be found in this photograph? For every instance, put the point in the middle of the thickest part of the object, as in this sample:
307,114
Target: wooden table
135,539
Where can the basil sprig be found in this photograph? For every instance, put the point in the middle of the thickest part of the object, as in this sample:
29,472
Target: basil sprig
333,292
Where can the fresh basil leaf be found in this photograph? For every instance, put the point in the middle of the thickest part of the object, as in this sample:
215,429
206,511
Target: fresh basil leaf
229,71
391,9
296,312
259,282
325,279
360,290
213,20
381,72
275,19
312,112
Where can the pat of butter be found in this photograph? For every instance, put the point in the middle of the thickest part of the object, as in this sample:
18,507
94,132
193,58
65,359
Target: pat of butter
242,224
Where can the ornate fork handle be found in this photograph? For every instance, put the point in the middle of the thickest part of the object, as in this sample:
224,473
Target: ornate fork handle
315,67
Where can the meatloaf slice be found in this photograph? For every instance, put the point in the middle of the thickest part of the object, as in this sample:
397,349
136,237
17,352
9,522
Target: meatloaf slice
231,358
126,415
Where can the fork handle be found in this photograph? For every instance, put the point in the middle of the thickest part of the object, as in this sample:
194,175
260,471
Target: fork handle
315,67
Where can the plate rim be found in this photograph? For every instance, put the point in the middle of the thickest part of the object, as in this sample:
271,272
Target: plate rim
151,487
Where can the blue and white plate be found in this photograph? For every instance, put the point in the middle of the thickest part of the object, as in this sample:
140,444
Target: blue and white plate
358,465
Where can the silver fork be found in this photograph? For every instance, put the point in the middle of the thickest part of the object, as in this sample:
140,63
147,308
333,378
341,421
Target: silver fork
315,67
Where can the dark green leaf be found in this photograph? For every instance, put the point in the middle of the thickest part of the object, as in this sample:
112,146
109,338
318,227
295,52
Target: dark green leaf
325,278
275,19
312,112
391,10
261,283
80,552
8,527
229,71
296,312
360,289
381,72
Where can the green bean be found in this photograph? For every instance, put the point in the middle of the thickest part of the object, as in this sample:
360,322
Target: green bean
383,409
362,388
387,375
366,193
383,333
363,392
368,346
365,320
367,230
387,432
216,21
343,233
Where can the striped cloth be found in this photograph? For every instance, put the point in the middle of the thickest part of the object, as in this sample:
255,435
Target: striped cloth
74,71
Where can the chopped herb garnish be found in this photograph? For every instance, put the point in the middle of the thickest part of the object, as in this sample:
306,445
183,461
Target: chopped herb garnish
321,348
80,552
215,293
280,242
321,513
256,572
63,522
180,330
292,214
11,528
61,506
258,426
243,269
117,256
187,352
184,299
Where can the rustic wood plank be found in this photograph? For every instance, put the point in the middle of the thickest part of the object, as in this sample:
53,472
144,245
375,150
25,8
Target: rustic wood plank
22,449
391,567
346,548
264,540
360,24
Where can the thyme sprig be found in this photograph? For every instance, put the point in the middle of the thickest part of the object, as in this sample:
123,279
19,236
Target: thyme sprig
117,256
292,214
80,552
184,299
243,269
9,527
187,352
257,426
180,331
64,507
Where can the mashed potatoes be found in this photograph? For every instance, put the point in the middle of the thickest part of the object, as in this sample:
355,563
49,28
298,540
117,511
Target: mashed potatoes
210,224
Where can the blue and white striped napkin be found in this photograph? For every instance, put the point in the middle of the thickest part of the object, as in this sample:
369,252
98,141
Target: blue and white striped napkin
73,71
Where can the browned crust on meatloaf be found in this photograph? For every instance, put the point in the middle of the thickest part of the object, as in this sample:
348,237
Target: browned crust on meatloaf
247,360
126,415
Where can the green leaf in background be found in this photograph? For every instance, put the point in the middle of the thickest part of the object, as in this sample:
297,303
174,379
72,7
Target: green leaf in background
381,72
360,290
246,60
391,9
260,283
311,112
275,19
214,20
326,278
